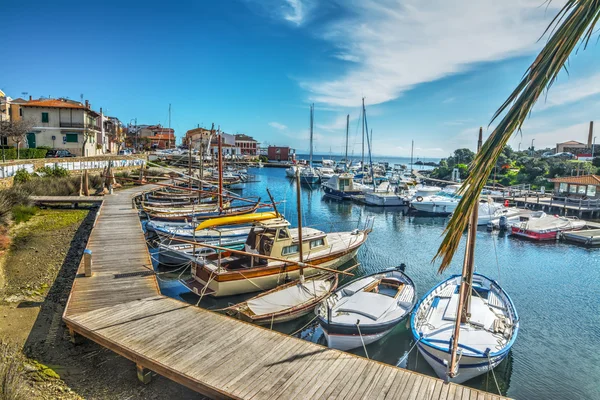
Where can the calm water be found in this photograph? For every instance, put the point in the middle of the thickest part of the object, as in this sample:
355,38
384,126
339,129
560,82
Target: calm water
555,287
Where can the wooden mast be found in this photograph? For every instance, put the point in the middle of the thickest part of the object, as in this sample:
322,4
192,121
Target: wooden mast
299,205
466,284
312,113
347,129
190,162
362,160
220,170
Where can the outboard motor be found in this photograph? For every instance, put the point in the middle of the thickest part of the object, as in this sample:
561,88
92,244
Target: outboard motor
402,267
503,223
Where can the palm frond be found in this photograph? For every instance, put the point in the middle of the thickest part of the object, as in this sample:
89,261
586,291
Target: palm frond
573,25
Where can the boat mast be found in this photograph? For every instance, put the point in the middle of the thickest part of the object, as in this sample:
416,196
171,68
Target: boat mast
312,112
412,147
466,284
347,129
299,206
220,170
362,161
169,125
190,162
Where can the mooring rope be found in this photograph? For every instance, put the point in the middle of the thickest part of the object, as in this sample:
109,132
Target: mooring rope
361,339
493,373
409,351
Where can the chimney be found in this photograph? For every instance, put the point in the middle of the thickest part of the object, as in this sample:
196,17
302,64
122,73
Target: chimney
29,98
87,104
590,135
100,110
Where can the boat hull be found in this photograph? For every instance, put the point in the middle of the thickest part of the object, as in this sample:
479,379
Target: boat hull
339,194
265,282
433,208
352,341
384,201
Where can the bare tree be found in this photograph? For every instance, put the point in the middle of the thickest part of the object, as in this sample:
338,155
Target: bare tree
16,131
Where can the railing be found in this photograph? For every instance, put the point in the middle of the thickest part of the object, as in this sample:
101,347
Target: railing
78,125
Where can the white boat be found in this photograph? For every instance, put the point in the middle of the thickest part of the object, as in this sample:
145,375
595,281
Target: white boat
291,171
366,309
309,175
491,213
541,226
325,173
485,338
386,195
441,203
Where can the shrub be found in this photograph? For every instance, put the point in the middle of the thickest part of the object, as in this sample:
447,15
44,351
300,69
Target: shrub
22,176
55,171
11,153
23,213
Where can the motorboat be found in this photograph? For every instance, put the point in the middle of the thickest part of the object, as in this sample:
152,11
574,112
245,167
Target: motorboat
441,203
341,187
310,176
325,173
485,336
366,309
541,226
271,257
386,195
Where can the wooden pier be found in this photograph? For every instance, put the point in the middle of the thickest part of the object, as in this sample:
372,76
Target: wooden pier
120,307
558,205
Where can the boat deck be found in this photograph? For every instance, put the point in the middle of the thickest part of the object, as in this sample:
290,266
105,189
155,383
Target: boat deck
121,308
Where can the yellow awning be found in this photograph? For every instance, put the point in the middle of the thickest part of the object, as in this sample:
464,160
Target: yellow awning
236,220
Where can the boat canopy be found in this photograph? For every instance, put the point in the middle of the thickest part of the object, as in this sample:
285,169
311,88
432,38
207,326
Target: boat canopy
237,220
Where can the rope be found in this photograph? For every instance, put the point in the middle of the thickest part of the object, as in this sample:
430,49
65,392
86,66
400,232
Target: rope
210,278
304,327
493,373
361,339
407,354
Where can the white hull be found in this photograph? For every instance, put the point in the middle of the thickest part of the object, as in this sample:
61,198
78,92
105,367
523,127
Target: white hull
434,208
349,342
238,286
382,200
469,367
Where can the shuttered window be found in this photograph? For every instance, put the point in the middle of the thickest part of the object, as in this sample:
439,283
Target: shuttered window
45,117
71,137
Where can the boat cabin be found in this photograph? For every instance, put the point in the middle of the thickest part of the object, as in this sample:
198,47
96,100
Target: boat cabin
342,182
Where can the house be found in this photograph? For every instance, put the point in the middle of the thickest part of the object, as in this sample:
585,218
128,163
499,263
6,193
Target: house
247,145
228,145
63,123
583,185
571,146
280,153
114,134
581,150
198,135
159,136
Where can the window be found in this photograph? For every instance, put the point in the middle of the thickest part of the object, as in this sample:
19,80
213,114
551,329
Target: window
45,117
283,234
591,191
564,187
71,138
317,243
289,250
572,188
581,189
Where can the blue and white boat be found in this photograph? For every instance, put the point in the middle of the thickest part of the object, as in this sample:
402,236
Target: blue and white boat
176,233
485,338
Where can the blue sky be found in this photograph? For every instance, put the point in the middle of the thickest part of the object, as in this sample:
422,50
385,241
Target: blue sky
432,71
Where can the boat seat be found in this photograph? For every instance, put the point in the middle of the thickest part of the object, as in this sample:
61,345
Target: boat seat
447,291
495,301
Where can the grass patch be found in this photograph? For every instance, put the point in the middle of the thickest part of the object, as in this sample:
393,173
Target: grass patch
23,213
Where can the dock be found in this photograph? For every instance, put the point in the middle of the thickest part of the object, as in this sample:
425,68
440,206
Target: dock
121,308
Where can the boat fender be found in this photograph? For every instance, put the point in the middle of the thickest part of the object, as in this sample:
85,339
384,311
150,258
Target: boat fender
419,198
354,232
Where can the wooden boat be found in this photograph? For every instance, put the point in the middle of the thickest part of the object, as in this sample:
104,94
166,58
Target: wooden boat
177,216
541,226
485,339
366,309
286,302
273,259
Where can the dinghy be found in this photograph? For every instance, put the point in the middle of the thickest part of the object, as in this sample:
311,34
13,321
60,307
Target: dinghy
485,338
366,309
541,226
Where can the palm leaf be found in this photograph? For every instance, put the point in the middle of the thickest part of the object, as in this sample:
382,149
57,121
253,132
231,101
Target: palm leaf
573,25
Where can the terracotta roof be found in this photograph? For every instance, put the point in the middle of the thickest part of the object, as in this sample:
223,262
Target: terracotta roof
572,142
53,103
578,180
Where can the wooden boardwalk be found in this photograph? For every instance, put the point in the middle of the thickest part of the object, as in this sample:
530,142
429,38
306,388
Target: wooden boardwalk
66,199
121,308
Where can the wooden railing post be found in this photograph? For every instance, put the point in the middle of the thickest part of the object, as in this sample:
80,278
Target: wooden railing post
87,262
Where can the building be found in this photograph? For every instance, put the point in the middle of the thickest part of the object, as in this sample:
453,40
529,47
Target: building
581,150
198,135
571,146
63,123
247,145
228,145
583,185
280,153
114,133
152,136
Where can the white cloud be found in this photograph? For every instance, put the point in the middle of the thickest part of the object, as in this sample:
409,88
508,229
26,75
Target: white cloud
570,91
398,44
295,11
278,126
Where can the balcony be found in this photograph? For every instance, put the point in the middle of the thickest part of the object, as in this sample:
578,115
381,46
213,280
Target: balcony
71,125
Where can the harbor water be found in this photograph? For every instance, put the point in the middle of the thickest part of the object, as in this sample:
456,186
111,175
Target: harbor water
554,286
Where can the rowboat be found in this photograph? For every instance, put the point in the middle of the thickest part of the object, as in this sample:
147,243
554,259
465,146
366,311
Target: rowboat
366,309
182,216
286,302
485,338
271,257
